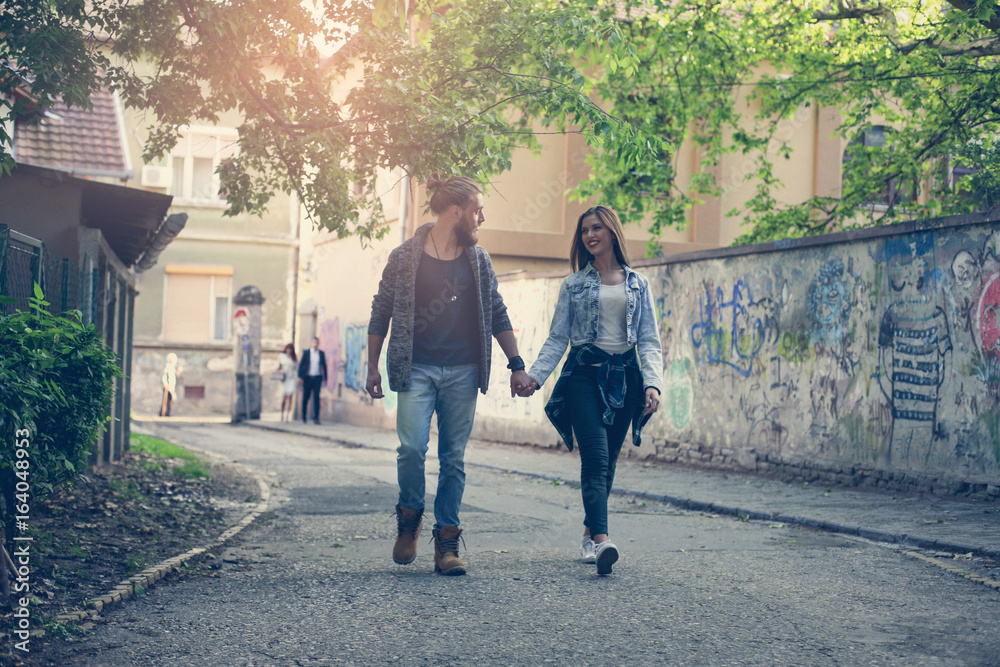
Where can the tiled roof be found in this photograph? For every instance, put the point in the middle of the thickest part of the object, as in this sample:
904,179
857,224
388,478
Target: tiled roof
86,143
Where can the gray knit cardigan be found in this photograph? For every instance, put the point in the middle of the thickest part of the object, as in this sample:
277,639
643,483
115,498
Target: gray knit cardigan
395,301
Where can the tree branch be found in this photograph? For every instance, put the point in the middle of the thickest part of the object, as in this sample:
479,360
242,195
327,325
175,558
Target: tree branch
854,13
968,7
984,46
977,48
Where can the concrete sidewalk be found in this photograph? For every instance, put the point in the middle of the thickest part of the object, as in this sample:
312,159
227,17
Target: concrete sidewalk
954,526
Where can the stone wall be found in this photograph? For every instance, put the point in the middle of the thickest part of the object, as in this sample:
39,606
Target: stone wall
868,358
205,385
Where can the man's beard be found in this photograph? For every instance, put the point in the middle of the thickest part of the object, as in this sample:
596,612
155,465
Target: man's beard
467,234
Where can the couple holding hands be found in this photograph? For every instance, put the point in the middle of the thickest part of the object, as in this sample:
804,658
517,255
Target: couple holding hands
440,292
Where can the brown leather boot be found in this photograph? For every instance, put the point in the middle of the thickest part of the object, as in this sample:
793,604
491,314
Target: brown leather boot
446,560
408,521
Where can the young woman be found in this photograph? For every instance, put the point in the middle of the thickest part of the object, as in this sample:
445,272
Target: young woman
288,364
613,375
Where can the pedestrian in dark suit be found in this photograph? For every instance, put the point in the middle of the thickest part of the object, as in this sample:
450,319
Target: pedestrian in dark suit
312,374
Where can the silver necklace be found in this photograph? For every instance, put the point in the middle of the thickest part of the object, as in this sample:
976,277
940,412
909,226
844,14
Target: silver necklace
454,270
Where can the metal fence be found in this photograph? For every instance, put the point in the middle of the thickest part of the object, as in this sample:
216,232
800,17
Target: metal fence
24,262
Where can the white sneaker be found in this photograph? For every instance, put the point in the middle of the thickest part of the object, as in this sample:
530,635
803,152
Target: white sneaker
607,555
587,547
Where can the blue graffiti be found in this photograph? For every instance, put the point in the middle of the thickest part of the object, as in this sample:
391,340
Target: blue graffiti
356,347
662,312
741,339
829,305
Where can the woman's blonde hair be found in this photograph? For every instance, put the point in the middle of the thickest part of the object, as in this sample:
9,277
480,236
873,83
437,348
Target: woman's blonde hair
579,256
455,191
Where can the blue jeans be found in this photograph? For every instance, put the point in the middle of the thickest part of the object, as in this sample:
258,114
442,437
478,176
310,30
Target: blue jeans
451,391
599,444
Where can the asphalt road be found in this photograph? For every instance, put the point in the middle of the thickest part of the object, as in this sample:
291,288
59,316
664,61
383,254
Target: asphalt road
313,583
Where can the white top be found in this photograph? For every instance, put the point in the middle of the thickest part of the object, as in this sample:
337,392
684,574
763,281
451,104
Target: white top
612,334
314,363
290,368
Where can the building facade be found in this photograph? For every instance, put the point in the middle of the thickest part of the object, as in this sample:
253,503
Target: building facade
184,305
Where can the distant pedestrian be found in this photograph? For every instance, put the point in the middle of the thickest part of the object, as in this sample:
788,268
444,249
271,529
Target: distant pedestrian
169,382
312,374
605,313
288,367
440,292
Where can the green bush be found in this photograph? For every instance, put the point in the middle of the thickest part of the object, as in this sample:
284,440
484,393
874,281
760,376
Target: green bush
56,385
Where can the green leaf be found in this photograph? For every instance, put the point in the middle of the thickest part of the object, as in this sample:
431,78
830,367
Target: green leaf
384,11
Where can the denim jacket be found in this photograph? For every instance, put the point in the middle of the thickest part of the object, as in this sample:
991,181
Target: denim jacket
576,319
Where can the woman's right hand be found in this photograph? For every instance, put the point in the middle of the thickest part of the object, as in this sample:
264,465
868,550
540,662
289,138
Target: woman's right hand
529,389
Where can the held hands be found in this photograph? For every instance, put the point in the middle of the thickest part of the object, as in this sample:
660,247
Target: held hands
374,383
652,401
522,384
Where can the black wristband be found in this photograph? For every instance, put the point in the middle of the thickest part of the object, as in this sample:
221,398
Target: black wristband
515,364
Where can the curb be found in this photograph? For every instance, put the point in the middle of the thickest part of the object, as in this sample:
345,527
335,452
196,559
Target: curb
872,534
137,584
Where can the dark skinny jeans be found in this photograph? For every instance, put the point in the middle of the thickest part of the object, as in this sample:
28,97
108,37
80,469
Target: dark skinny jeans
599,444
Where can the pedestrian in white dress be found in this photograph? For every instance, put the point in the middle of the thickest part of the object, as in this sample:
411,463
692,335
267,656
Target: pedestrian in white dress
288,364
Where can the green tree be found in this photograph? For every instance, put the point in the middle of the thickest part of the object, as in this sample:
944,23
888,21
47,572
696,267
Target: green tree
724,75
483,77
461,98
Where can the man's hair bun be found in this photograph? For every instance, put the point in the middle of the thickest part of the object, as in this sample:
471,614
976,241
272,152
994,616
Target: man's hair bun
435,181
454,191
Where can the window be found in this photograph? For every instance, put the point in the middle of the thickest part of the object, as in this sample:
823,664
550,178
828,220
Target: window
197,304
974,174
194,161
194,392
894,192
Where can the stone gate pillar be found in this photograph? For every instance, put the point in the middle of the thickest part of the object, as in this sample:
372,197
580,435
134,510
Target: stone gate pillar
246,329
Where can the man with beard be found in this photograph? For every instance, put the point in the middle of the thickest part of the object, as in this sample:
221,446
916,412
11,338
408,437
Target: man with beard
440,291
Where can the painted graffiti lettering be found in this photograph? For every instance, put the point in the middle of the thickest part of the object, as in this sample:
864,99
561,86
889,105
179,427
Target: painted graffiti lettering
329,342
356,349
726,330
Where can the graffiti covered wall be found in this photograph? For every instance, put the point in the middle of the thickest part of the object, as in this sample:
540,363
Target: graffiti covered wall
864,358
499,416
867,357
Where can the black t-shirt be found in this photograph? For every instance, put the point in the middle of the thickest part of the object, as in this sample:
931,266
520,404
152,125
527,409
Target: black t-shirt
446,314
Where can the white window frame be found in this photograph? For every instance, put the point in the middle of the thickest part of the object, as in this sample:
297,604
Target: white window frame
225,137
